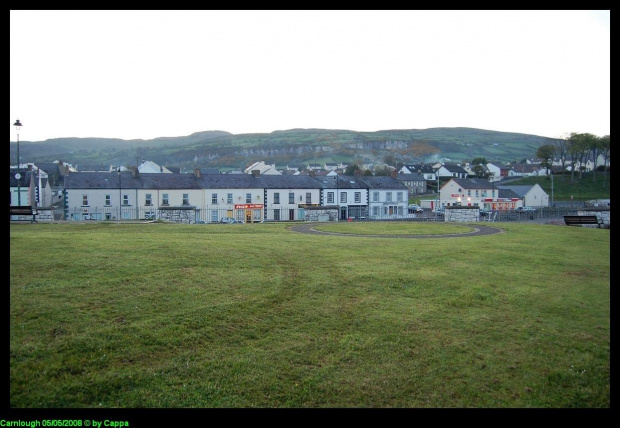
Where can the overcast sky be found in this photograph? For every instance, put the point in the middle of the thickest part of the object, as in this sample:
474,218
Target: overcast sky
146,74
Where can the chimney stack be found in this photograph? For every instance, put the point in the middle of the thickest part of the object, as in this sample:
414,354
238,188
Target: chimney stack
197,172
134,171
255,173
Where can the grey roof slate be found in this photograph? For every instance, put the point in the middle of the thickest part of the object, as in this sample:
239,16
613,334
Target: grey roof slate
507,193
455,168
422,169
473,183
519,190
111,180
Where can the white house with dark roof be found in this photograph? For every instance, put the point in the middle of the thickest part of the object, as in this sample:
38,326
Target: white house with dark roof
485,194
286,196
348,193
452,170
468,192
388,198
426,171
532,196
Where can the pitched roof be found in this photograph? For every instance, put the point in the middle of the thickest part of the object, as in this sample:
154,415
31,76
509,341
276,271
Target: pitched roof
507,194
473,183
455,168
422,169
409,177
383,182
520,190
126,180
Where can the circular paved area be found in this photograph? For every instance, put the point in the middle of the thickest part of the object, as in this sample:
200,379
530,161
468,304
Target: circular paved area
478,231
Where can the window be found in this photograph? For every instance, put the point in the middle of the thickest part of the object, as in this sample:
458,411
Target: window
308,197
375,196
358,197
214,216
214,198
164,199
84,200
291,198
399,196
276,198
375,211
229,198
248,198
388,196
276,215
125,199
185,198
148,200
108,200
343,198
330,197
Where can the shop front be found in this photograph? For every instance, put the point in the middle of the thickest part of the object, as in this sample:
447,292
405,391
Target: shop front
251,213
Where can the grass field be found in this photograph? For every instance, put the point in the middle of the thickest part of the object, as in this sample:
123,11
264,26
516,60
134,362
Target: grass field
155,315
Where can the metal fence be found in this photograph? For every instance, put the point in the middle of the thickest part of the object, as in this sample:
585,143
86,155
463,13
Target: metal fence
215,215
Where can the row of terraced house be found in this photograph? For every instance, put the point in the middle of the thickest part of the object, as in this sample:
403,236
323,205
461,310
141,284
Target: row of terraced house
208,198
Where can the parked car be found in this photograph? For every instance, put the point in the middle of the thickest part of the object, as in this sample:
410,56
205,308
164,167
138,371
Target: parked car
230,220
526,210
415,209
484,212
438,212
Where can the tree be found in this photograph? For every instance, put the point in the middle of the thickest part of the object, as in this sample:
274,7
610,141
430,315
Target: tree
479,161
573,143
352,169
561,150
479,170
546,153
604,150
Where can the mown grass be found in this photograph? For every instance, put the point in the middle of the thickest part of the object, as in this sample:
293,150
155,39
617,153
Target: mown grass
255,315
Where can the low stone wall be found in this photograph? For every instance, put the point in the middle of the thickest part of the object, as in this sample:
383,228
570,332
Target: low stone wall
326,213
462,214
601,213
45,214
178,214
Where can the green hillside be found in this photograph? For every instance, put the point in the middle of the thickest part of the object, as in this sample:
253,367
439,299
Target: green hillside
296,147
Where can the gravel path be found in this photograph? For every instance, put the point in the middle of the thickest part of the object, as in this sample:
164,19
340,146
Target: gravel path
478,231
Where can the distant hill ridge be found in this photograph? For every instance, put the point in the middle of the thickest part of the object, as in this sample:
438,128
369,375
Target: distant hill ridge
284,147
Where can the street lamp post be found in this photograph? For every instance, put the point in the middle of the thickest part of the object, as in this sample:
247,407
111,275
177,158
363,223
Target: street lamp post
552,204
438,201
120,194
18,176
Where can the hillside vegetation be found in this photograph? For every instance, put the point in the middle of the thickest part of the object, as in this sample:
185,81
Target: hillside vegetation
294,147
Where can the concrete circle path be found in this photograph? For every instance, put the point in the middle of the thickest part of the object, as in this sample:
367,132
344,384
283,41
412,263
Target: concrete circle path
479,230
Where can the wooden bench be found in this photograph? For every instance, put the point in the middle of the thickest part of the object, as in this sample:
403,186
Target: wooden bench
23,210
574,220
